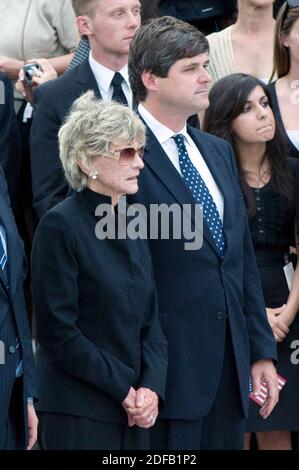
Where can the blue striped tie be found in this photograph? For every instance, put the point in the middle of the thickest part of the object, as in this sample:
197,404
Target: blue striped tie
3,262
201,194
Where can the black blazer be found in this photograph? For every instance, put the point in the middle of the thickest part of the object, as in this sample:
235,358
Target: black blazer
96,314
198,289
13,318
52,102
10,141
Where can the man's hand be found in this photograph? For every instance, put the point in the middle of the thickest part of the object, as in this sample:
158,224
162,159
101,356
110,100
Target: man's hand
264,371
32,426
145,410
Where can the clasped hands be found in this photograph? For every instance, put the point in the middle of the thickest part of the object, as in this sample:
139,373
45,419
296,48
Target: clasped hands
280,319
141,407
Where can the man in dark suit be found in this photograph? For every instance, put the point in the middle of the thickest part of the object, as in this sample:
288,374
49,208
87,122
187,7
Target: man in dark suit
10,142
18,422
109,26
210,299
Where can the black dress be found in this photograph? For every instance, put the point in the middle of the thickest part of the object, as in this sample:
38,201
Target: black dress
272,230
97,325
292,150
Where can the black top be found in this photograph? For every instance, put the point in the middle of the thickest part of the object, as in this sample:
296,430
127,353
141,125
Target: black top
273,224
293,151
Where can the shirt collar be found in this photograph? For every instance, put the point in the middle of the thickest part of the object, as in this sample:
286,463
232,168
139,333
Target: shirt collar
161,132
104,76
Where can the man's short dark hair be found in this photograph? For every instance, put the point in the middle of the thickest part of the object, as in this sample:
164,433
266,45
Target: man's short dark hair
157,45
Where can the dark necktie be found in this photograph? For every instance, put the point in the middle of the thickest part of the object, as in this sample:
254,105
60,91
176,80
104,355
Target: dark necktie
118,94
3,263
201,194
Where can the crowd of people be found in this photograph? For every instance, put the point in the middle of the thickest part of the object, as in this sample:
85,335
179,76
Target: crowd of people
151,330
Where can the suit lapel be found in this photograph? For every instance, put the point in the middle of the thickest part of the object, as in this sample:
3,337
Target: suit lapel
2,281
158,161
13,247
219,172
85,79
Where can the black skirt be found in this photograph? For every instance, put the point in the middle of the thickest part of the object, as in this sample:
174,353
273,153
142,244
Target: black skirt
285,415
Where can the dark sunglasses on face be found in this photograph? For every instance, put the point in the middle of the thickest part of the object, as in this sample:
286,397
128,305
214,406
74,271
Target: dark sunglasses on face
127,155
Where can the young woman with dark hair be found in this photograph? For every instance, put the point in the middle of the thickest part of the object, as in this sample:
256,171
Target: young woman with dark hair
240,112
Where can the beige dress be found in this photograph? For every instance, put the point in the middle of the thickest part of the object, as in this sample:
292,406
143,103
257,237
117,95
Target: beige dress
37,28
222,59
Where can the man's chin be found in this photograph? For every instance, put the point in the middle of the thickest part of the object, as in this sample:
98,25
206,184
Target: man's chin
201,105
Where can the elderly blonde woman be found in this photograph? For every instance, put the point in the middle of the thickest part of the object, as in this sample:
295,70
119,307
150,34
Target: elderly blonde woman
102,354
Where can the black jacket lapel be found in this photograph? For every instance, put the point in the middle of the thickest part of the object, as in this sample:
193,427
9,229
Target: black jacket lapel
158,161
220,174
85,79
14,245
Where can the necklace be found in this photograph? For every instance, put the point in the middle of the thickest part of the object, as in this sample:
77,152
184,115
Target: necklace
258,179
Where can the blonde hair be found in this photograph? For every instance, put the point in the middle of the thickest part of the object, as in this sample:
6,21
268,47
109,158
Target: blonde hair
283,26
84,7
89,129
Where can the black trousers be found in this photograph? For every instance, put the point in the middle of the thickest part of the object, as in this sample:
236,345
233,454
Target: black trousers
15,435
221,429
66,432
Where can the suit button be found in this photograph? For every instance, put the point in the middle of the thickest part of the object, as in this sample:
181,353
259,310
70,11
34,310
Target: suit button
220,315
12,349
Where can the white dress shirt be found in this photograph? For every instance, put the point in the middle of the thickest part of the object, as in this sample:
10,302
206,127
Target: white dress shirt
104,76
164,136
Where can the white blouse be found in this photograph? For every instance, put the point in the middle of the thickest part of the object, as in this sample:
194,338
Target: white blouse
294,138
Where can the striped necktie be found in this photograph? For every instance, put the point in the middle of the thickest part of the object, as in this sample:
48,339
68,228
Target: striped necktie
3,262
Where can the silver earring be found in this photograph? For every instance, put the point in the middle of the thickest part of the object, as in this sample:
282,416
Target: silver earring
93,175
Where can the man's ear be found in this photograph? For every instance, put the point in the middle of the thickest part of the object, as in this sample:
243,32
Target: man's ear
150,81
84,25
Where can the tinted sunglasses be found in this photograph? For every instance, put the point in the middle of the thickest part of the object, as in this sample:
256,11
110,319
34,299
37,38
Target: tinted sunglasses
290,4
127,155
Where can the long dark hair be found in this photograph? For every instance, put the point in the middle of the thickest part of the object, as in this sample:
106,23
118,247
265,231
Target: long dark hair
227,99
285,21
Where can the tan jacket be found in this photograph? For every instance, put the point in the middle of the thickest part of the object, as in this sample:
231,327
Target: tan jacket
37,28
